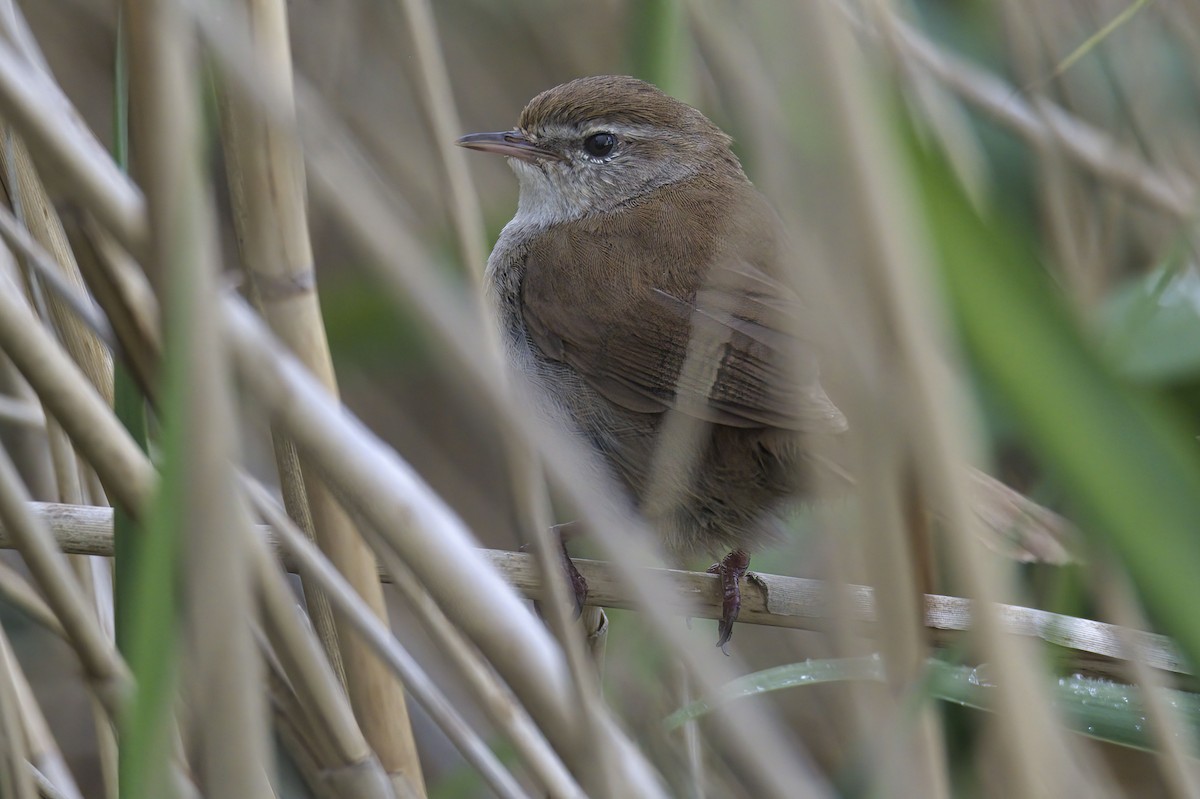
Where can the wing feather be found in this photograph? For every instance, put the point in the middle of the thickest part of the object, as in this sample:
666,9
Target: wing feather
630,338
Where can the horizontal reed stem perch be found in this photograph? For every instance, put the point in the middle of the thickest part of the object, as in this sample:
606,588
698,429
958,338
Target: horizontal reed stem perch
768,599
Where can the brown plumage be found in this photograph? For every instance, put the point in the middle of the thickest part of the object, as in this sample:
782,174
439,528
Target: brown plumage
638,240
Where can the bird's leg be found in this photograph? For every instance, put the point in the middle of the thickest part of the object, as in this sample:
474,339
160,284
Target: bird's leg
731,569
575,581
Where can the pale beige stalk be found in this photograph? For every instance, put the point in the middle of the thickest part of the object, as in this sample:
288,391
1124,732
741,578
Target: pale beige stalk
495,698
267,183
65,150
390,651
1040,761
67,394
107,675
340,748
585,654
17,591
19,412
16,781
31,204
1175,738
220,661
435,543
771,599
26,192
44,754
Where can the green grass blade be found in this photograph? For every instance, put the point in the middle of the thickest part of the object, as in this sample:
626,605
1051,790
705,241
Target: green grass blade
1100,709
144,585
1129,464
810,672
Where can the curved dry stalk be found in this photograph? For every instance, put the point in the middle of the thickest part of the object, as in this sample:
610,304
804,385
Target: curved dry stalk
1039,756
123,292
17,237
15,777
359,615
502,708
525,473
44,754
66,150
21,595
68,395
1043,122
321,698
107,676
772,599
267,187
33,208
14,28
442,118
436,545
221,663
19,412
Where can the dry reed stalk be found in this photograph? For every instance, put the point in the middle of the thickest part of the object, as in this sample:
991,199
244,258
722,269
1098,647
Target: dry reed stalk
19,412
267,183
290,726
28,198
106,674
437,101
71,399
66,151
1175,740
31,205
21,595
585,654
435,544
16,779
775,600
343,756
495,699
391,652
222,665
1040,121
123,292
1033,739
44,754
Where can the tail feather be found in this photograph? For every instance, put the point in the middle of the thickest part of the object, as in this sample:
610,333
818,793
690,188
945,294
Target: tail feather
1018,527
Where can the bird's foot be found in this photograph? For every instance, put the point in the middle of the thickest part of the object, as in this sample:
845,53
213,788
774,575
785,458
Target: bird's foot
730,569
575,581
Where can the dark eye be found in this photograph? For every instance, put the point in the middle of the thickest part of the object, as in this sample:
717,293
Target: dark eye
600,145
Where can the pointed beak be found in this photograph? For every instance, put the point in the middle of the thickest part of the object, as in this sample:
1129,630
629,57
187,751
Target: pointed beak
511,143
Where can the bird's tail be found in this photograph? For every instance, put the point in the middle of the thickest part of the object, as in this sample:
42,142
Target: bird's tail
1018,527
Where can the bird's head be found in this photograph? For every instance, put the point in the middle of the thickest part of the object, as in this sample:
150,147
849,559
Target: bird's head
595,143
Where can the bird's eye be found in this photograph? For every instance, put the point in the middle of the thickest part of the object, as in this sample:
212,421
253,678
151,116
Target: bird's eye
600,145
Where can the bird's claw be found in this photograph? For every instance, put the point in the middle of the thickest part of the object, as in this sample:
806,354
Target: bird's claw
575,581
730,569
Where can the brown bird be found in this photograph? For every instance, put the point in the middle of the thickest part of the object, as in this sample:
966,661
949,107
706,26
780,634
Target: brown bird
641,279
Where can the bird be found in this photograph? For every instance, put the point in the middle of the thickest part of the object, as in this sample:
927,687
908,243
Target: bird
642,279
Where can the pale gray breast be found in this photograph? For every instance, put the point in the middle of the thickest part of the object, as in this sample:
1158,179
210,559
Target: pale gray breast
566,398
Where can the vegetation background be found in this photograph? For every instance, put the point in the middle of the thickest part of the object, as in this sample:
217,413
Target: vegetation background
995,210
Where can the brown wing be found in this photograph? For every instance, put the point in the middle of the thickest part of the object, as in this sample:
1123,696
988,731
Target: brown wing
625,323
